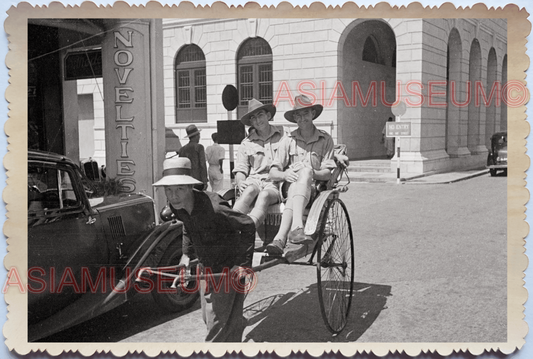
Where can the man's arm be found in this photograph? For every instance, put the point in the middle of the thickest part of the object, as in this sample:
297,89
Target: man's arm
328,163
242,167
203,166
245,226
280,161
322,175
239,178
221,158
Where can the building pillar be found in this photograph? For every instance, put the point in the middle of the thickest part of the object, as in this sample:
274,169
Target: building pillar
70,122
133,106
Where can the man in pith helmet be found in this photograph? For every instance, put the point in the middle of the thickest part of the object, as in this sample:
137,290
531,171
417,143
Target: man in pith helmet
254,157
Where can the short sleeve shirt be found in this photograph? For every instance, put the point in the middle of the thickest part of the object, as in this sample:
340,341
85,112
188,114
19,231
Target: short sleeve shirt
255,154
214,153
316,152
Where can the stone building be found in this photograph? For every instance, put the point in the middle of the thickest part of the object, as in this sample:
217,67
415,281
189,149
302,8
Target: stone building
172,72
356,68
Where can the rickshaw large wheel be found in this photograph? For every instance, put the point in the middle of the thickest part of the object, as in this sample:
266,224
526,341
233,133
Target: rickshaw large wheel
173,299
335,265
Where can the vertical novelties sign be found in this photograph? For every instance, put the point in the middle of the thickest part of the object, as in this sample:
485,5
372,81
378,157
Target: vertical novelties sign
128,99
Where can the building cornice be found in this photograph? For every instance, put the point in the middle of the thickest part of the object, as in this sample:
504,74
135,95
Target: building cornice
177,23
479,25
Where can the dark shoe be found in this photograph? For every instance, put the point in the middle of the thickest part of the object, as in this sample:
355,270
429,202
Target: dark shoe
297,236
275,248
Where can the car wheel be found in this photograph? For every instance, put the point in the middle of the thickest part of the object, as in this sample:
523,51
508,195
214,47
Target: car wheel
173,299
492,172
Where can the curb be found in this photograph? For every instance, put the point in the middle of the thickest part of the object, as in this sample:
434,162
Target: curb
465,177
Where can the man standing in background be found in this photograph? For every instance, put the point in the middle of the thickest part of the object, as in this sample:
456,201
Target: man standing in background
195,152
215,158
388,142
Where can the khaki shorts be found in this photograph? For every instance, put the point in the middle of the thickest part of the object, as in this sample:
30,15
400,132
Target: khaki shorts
262,183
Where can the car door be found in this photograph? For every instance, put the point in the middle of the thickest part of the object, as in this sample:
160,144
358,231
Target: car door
62,238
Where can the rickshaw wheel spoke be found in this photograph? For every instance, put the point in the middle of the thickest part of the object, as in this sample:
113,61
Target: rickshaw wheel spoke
335,269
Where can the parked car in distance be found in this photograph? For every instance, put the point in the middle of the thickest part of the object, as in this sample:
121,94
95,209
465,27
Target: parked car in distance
497,158
85,252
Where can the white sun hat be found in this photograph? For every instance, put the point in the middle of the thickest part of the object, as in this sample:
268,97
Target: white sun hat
176,171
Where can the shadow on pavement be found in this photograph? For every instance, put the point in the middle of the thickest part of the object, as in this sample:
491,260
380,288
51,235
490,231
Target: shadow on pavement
296,317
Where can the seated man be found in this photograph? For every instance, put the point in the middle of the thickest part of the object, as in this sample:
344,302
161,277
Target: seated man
304,156
254,158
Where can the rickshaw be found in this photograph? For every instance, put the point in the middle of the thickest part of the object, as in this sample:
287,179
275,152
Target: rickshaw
332,252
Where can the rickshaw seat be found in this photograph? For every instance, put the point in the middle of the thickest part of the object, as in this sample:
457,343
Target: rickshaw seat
270,226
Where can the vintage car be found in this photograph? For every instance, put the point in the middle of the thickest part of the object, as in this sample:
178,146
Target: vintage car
497,158
85,252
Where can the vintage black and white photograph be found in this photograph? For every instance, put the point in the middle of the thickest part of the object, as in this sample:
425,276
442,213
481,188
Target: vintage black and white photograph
270,179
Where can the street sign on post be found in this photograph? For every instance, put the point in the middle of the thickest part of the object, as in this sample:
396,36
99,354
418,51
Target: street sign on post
230,100
397,129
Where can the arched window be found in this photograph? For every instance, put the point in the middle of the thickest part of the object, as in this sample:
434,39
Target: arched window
254,73
371,51
191,95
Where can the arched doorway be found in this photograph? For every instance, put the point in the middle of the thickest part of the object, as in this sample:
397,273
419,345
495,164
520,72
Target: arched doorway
367,70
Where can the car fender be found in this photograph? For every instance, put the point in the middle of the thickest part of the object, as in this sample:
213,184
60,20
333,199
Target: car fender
90,304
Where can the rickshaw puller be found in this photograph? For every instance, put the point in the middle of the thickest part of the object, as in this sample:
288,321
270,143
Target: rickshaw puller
220,237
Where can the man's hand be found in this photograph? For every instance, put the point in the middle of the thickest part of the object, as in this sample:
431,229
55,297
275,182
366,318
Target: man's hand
242,186
290,175
239,181
296,167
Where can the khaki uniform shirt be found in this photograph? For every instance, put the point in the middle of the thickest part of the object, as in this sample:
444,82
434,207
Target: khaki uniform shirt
256,154
316,152
214,153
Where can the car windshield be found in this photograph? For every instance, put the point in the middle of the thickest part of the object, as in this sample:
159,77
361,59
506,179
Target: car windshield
499,141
